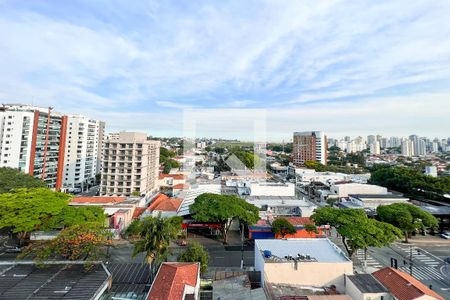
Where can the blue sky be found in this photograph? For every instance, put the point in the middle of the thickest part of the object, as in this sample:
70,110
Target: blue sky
345,67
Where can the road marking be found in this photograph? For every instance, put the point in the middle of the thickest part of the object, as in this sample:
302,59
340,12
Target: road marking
445,289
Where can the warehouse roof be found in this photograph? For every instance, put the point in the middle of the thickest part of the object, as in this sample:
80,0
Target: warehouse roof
56,281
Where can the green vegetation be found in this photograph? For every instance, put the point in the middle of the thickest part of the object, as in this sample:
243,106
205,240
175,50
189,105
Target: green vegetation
279,147
411,182
282,227
165,158
311,228
155,235
14,179
249,159
356,229
195,253
318,167
223,209
407,217
70,216
84,241
26,210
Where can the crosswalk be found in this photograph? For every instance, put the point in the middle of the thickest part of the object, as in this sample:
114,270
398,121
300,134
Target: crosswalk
430,268
423,273
371,262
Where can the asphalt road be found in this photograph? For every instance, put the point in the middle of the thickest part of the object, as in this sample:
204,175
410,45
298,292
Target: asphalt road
427,266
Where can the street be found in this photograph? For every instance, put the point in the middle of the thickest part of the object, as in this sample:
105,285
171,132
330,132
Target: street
428,264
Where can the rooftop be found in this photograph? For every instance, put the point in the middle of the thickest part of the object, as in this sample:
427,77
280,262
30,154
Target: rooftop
164,203
402,285
366,283
171,280
436,210
174,176
55,281
96,199
379,196
322,250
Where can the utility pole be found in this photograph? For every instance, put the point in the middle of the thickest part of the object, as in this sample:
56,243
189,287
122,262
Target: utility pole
242,246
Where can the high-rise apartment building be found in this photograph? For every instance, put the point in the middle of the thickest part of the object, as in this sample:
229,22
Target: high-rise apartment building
407,147
309,145
130,164
375,148
83,149
34,140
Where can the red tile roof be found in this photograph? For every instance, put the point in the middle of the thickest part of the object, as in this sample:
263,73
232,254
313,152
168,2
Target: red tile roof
181,186
171,280
174,176
138,212
402,285
105,199
164,203
298,220
170,204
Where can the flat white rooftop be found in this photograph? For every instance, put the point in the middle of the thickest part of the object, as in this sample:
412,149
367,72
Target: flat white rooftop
323,250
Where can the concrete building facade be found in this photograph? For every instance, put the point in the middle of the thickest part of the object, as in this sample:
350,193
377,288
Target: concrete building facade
309,146
130,164
46,145
83,149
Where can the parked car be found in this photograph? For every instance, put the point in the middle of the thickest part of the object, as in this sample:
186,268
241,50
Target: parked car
445,235
13,250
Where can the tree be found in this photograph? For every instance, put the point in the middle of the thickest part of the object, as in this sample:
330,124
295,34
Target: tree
70,216
407,217
250,160
84,241
26,210
317,166
282,227
155,237
14,179
311,228
223,209
356,229
195,253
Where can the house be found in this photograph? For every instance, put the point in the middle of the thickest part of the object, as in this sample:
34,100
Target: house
25,280
120,211
170,183
403,286
365,287
176,281
263,229
163,206
302,262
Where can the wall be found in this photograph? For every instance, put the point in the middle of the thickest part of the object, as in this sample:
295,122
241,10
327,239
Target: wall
308,273
356,294
272,189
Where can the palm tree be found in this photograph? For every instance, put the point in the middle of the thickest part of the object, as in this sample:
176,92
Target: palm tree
155,237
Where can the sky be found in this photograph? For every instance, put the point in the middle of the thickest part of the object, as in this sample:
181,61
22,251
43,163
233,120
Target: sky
344,67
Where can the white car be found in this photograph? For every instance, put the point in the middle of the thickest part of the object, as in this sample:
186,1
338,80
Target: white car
445,235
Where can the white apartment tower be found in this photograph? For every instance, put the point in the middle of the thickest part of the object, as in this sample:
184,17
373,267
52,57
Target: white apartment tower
36,141
309,146
83,149
130,164
407,148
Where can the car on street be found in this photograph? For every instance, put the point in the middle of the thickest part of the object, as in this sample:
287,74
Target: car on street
445,235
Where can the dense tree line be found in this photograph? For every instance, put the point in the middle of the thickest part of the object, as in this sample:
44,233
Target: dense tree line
166,158
411,182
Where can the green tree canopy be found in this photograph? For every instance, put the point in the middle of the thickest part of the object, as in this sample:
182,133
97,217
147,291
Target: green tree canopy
356,229
70,216
407,217
27,210
282,227
223,209
195,253
14,179
250,160
411,182
155,237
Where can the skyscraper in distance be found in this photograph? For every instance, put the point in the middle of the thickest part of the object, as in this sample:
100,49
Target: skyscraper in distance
309,146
